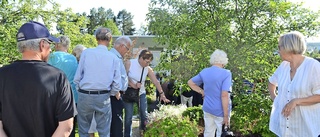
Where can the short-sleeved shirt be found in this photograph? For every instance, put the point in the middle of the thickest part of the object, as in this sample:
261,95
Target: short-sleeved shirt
134,74
215,81
34,98
68,64
304,121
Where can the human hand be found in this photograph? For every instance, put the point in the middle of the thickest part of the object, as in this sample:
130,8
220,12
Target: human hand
138,85
118,95
201,92
287,109
164,99
226,121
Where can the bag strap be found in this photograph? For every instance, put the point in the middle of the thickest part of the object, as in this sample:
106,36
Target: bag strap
141,75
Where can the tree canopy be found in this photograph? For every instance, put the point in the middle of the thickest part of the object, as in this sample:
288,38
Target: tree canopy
247,30
79,27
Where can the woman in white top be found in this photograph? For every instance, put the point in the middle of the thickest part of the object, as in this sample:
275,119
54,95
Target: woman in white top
134,69
296,105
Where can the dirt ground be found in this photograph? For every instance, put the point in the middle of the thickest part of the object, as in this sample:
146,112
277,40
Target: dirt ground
135,128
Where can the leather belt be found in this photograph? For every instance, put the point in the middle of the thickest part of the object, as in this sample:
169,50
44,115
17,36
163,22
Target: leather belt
94,92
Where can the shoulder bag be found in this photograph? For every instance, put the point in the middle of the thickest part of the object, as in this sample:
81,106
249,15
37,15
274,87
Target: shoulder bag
131,94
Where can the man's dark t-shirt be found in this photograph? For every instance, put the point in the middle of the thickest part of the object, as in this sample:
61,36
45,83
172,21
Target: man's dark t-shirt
34,97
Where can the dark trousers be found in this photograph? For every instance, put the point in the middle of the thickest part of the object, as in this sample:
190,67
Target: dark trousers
73,132
116,122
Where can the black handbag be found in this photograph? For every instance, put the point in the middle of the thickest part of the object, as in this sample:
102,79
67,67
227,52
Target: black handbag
131,94
226,132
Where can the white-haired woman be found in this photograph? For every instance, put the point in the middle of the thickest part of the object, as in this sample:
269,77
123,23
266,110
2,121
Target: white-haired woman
296,105
217,85
77,51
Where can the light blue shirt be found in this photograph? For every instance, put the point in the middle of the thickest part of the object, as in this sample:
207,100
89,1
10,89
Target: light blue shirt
98,68
68,64
215,81
124,77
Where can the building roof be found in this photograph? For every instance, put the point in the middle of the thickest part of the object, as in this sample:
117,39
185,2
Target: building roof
145,41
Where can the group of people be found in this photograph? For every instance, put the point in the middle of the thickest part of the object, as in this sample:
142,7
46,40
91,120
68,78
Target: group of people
47,94
294,89
41,94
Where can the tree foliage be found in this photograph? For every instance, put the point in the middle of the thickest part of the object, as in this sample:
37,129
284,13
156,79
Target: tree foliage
12,15
247,30
78,27
125,23
73,25
98,17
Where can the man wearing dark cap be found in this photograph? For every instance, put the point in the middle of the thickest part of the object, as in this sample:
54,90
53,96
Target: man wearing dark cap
35,97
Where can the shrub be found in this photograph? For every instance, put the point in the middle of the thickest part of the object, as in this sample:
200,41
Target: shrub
166,111
174,126
135,109
195,114
251,114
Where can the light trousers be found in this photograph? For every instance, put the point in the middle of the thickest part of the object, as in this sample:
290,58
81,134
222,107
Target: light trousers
211,124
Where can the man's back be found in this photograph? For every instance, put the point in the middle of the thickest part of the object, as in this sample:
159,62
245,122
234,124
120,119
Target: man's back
34,97
68,64
98,69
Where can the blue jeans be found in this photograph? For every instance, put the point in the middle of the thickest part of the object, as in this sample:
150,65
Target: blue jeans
128,106
98,104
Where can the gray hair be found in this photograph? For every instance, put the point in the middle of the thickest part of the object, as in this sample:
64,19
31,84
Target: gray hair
103,34
64,41
78,50
31,44
218,57
293,42
123,40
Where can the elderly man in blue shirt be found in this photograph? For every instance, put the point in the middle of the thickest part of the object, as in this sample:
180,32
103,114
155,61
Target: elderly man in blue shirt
98,71
121,46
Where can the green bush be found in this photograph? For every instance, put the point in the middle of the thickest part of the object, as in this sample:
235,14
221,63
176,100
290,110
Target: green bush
150,99
251,114
135,109
175,126
195,114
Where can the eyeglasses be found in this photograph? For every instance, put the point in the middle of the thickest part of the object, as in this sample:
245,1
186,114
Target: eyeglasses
50,43
148,61
126,46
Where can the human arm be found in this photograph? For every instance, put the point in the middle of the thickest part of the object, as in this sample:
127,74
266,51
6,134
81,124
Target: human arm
225,106
195,87
155,81
65,109
272,90
116,84
311,100
2,133
64,128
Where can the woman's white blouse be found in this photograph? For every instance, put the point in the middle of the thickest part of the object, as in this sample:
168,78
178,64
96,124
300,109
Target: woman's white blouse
134,74
304,121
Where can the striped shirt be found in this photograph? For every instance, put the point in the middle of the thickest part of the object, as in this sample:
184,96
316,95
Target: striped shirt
304,121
